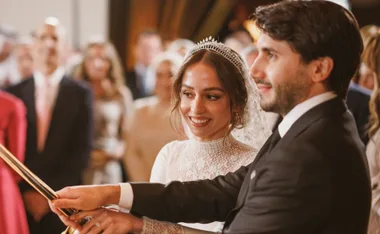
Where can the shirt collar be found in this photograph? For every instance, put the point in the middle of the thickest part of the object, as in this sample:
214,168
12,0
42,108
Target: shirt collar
301,109
361,89
141,70
53,79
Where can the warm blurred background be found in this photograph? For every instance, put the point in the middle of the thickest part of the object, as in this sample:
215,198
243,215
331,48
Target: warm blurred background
122,20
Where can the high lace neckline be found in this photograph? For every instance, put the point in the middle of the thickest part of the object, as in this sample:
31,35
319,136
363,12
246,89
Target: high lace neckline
215,146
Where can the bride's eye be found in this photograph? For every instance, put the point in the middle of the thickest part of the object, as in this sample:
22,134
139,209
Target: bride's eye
213,97
186,94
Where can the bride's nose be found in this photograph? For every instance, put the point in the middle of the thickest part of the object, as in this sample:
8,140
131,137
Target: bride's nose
197,105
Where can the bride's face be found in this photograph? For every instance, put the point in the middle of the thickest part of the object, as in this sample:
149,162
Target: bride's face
205,105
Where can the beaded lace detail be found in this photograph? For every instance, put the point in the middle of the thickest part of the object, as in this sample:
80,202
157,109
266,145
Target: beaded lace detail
151,226
191,160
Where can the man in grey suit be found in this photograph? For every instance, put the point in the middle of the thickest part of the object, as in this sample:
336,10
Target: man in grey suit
310,177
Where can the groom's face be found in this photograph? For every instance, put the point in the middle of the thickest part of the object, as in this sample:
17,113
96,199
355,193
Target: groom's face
281,76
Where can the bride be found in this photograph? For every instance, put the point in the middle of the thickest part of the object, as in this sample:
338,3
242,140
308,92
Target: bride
217,105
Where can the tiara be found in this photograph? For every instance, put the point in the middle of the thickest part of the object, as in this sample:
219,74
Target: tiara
211,44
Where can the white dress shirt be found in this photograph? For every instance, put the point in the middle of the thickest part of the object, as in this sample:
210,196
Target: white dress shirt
301,109
53,81
126,192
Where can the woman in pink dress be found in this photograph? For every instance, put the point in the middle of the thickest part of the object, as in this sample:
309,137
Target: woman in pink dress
12,136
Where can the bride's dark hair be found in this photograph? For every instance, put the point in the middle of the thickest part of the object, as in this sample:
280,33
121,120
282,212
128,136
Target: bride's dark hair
229,76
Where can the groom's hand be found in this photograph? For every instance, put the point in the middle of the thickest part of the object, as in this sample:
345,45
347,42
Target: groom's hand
87,197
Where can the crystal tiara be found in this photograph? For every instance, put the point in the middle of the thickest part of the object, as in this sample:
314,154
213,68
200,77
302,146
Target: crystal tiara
211,44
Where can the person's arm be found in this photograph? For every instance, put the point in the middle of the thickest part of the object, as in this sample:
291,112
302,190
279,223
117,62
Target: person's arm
194,201
112,221
151,226
202,201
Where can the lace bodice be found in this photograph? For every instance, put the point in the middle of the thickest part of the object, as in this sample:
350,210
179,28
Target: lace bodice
193,160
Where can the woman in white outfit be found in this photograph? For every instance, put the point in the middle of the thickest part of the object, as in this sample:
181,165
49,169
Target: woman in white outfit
211,93
371,69
218,105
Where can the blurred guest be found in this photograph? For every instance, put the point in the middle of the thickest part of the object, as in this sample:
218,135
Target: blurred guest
361,86
113,105
12,136
140,80
150,124
238,40
8,64
59,132
73,61
367,31
23,55
249,54
181,46
371,56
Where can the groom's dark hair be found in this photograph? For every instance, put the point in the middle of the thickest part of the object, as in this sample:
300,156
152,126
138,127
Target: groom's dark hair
316,29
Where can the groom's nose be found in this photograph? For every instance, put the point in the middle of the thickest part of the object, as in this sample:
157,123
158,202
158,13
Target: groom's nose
256,70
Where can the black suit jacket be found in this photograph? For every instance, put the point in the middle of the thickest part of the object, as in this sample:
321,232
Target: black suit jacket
314,181
69,140
133,83
358,103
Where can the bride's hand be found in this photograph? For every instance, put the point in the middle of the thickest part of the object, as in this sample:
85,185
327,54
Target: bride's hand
107,221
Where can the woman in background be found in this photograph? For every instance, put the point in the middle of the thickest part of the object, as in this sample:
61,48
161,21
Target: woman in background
150,126
371,60
113,107
13,137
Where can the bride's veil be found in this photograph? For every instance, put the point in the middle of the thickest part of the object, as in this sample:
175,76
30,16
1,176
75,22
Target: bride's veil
255,130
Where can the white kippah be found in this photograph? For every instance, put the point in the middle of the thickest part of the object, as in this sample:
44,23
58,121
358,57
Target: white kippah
211,44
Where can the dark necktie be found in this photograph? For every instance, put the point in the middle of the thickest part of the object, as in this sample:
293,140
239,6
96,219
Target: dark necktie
274,139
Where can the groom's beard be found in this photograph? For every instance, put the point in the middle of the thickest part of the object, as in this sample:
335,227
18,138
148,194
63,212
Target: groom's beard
286,95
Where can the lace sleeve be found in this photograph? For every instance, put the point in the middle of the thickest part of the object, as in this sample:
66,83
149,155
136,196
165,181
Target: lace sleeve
158,174
151,226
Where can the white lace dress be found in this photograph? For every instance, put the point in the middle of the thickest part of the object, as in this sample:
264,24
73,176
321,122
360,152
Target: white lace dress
193,160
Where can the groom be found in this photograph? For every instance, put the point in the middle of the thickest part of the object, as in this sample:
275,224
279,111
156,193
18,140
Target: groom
311,176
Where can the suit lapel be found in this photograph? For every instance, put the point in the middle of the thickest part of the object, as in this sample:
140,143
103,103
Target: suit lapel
335,105
246,182
57,110
28,93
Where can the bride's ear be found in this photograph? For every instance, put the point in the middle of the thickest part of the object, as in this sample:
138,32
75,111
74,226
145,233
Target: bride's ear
237,115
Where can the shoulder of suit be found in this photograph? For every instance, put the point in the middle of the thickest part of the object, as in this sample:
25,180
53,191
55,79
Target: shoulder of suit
22,83
131,72
78,84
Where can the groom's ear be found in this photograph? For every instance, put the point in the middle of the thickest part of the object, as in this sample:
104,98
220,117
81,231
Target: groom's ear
320,69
